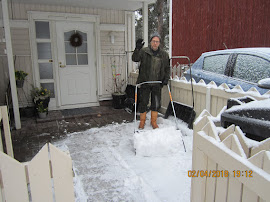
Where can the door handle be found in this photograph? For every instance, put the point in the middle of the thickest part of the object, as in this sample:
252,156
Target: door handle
61,65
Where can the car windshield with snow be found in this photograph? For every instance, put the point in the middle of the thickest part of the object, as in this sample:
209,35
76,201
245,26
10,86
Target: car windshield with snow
247,67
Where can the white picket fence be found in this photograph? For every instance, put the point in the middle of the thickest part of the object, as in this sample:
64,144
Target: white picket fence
225,167
211,97
4,120
48,177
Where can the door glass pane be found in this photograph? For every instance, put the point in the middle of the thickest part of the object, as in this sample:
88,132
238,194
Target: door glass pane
69,48
251,68
71,59
84,36
74,55
82,48
44,50
216,63
82,59
67,35
49,86
46,70
42,30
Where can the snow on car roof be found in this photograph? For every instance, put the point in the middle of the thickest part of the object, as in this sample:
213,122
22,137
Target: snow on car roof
260,51
261,104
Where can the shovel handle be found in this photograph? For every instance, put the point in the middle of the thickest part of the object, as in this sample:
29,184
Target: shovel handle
170,96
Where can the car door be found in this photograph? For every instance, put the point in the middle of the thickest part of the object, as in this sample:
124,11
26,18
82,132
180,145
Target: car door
248,70
214,68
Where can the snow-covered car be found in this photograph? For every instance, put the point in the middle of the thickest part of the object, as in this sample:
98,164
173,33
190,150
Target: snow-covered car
242,66
251,116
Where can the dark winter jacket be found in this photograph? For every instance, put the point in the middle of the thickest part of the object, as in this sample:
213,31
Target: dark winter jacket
152,67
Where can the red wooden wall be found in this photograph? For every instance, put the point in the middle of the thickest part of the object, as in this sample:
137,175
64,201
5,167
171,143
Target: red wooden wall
204,25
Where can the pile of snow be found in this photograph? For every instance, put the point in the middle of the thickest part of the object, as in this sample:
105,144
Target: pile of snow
159,142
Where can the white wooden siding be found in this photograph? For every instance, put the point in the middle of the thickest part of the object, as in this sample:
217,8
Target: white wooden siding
112,54
18,11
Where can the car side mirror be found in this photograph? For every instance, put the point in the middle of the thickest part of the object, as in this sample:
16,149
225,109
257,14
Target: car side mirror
264,83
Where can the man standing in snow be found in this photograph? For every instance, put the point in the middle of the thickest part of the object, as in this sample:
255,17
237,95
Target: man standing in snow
154,66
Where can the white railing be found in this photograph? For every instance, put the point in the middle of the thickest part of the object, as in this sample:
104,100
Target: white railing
48,177
4,120
225,167
210,97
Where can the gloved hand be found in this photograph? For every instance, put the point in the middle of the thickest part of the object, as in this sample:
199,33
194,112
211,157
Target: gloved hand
164,82
139,44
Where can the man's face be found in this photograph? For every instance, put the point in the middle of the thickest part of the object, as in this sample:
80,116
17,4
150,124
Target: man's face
155,43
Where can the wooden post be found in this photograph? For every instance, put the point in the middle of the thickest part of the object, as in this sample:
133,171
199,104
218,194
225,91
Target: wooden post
11,65
145,23
7,134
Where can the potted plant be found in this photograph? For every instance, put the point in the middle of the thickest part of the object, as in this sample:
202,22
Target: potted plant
118,95
42,110
41,98
20,77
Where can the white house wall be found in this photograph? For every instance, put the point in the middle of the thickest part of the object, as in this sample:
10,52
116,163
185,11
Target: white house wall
21,44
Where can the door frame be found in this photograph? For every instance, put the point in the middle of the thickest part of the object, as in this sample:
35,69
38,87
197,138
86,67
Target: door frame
52,17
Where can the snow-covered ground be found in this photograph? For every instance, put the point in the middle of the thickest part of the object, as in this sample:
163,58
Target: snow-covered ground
107,169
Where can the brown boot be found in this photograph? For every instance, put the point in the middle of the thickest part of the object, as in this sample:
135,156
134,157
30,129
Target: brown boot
142,120
154,116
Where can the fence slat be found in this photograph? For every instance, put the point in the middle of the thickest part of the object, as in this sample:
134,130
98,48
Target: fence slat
13,177
62,175
7,131
210,181
221,188
264,145
234,189
39,176
233,144
199,161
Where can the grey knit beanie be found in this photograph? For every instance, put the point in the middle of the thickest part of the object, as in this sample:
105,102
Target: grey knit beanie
155,34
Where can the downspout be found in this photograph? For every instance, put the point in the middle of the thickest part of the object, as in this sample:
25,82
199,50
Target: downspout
145,23
15,102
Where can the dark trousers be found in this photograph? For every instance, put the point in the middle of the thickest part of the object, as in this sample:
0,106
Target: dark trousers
145,91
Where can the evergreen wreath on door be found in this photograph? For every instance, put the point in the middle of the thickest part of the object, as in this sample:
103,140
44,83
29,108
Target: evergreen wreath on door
76,40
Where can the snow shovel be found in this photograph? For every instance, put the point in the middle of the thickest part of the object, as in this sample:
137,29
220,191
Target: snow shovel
135,125
184,112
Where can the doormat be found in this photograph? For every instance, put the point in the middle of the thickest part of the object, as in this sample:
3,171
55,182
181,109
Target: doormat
78,111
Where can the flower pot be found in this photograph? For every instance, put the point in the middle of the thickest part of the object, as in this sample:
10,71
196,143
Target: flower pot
19,83
118,100
45,102
42,115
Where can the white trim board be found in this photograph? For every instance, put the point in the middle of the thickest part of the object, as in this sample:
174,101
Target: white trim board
17,24
112,27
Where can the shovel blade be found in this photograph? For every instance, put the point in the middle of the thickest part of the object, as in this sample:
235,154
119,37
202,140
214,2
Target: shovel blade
184,112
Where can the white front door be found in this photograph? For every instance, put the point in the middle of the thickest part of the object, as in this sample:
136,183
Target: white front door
76,64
